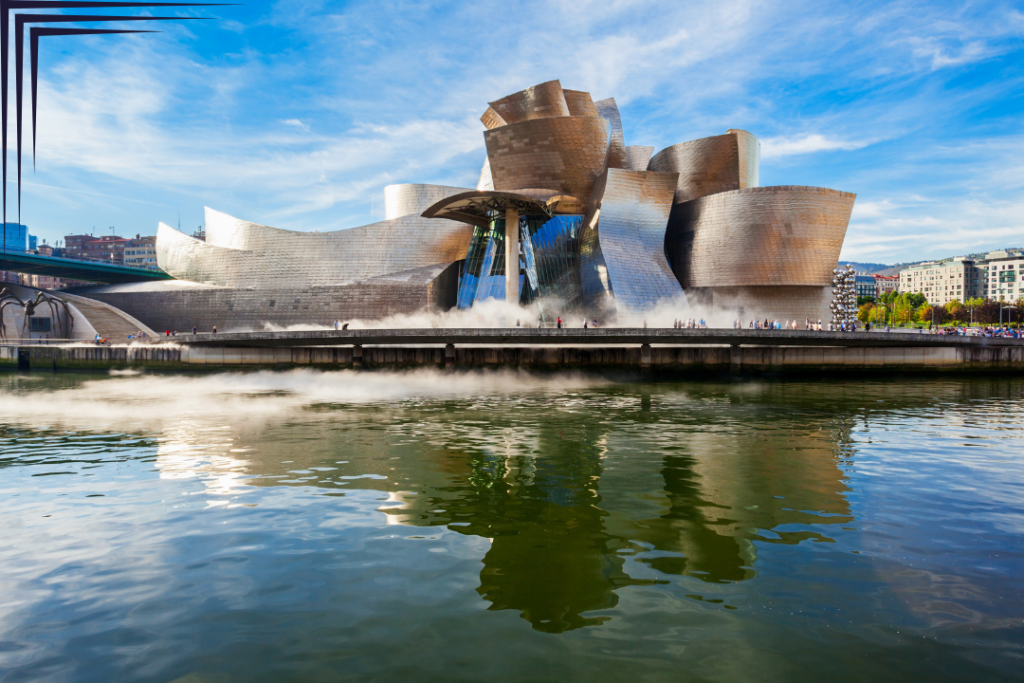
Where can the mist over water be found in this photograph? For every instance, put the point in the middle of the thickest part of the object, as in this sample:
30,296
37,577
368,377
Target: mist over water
136,398
309,525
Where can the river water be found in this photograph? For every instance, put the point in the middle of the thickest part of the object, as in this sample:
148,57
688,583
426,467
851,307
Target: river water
309,526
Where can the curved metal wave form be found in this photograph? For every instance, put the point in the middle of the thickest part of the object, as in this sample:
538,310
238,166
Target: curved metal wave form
407,198
783,235
565,153
242,254
623,245
710,165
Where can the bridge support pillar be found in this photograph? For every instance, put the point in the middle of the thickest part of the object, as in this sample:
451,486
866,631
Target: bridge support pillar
357,356
449,355
735,359
24,365
645,359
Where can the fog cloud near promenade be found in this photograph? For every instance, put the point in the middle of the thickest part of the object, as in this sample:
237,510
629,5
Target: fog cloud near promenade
495,313
145,401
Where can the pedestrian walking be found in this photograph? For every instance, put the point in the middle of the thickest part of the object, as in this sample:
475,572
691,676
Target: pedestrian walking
215,329
194,330
559,322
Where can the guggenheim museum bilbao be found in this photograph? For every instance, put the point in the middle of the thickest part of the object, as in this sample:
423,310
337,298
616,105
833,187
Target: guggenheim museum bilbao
596,226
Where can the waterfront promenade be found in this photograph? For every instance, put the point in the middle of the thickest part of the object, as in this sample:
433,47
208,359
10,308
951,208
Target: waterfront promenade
588,337
649,350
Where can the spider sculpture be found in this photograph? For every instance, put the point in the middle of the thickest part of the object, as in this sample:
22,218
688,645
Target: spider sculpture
8,298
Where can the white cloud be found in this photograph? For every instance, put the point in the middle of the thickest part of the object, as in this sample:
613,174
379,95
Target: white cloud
784,146
296,123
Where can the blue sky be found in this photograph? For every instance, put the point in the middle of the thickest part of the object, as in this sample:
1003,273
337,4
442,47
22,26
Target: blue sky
297,113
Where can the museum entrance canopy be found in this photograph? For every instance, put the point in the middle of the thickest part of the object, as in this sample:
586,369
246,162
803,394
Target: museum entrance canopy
480,207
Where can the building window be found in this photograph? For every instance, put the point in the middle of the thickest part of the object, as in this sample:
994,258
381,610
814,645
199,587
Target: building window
40,324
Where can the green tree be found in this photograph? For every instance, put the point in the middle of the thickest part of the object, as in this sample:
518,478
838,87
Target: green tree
865,311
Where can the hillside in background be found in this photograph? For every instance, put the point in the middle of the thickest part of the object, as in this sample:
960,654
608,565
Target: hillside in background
875,268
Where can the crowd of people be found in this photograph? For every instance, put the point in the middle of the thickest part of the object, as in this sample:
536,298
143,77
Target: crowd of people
1006,332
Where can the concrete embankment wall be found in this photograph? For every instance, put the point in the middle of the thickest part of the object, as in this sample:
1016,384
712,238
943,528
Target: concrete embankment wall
755,359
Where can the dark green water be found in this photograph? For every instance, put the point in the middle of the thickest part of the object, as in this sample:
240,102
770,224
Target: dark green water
310,526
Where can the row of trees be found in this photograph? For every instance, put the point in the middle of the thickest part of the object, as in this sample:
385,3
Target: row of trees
902,309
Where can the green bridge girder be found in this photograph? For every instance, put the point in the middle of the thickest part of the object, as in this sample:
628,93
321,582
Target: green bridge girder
70,269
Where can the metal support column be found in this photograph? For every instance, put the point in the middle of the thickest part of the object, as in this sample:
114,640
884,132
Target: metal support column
449,355
512,255
357,356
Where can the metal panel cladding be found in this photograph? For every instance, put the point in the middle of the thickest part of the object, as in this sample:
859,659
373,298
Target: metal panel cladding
710,165
565,153
407,199
785,235
623,247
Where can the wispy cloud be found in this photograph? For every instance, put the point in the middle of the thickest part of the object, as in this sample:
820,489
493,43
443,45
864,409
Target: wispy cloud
296,123
805,144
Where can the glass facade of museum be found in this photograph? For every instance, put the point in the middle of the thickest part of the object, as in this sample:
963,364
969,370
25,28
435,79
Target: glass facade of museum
548,261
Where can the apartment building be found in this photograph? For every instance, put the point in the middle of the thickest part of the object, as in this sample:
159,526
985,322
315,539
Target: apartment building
141,251
990,275
885,284
1002,279
943,281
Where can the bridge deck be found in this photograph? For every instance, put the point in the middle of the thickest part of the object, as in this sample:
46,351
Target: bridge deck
71,269
588,337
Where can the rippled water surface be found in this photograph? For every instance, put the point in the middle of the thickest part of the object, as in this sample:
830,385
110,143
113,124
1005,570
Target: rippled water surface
337,526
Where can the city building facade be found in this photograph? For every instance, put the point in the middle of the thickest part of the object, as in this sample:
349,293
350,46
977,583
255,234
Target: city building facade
941,282
865,285
991,275
15,236
141,251
886,284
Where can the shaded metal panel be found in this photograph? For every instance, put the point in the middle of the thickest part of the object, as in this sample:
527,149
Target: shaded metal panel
638,157
580,103
407,199
485,184
623,251
566,154
617,149
541,101
762,236
491,119
749,151
710,165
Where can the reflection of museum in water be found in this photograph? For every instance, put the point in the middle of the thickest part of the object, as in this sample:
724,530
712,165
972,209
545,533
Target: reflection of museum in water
572,512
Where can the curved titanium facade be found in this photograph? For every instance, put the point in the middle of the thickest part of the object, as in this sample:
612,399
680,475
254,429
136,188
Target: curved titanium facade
711,165
617,149
565,153
243,254
638,157
541,101
407,199
622,251
246,275
762,236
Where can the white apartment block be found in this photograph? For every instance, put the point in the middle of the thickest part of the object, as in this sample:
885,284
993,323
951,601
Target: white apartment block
942,281
993,276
